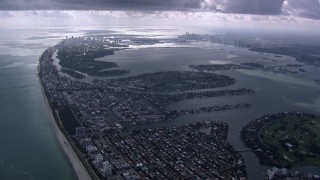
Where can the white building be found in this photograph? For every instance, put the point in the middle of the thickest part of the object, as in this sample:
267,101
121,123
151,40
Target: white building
99,159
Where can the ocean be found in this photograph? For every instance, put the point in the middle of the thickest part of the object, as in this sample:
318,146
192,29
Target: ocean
29,149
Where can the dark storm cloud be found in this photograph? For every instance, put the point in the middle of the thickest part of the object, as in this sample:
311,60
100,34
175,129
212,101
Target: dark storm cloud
266,7
305,8
301,8
229,6
139,5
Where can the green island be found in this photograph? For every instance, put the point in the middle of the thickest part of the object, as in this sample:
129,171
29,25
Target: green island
284,139
297,138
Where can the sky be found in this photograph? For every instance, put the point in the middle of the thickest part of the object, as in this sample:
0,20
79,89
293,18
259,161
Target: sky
270,14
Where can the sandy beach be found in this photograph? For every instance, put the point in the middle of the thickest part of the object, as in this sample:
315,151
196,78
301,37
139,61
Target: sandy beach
78,167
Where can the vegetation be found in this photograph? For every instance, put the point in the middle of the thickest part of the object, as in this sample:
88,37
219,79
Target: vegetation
305,53
168,81
68,120
296,138
85,63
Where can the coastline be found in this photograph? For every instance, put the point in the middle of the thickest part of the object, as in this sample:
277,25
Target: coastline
77,165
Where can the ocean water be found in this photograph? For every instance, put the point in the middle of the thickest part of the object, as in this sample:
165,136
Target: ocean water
29,148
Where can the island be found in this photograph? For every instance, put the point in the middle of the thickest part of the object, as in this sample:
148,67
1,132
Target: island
288,69
304,53
218,67
80,54
284,139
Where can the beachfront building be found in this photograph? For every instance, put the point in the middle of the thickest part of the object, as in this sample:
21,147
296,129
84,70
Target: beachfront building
80,131
99,160
106,169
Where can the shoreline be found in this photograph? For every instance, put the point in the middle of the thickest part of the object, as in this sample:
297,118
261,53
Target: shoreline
77,166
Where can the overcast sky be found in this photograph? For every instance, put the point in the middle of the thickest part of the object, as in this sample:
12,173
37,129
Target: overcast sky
198,11
304,8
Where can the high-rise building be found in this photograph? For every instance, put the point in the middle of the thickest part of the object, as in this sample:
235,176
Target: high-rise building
106,169
80,131
99,159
